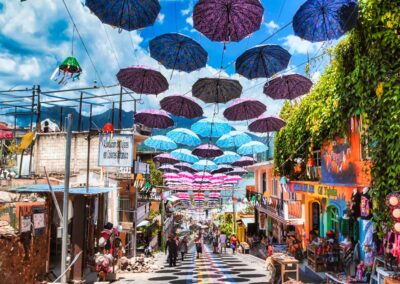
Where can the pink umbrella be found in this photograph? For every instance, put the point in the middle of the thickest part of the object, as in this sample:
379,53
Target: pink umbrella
183,195
214,195
170,175
233,178
203,175
217,182
186,175
219,176
186,180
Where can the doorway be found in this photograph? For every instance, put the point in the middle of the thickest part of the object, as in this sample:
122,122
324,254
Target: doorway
332,214
315,217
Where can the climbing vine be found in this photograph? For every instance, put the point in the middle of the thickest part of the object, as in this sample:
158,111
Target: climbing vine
363,78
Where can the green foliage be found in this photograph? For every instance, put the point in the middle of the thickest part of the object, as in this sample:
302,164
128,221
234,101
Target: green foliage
156,178
364,76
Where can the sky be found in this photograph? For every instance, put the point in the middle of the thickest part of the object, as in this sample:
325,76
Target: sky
36,36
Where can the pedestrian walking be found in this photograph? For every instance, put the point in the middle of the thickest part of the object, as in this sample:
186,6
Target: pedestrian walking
271,270
172,250
199,246
234,243
215,242
183,247
222,242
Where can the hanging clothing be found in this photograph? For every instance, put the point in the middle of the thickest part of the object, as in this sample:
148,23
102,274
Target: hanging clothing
365,207
355,205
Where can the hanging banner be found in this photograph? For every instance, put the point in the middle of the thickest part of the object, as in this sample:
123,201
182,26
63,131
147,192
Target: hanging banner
116,150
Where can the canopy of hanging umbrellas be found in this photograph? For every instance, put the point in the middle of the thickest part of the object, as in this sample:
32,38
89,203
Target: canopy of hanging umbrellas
211,157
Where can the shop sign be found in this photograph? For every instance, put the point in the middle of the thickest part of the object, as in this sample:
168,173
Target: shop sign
116,151
303,187
262,218
26,224
327,190
38,220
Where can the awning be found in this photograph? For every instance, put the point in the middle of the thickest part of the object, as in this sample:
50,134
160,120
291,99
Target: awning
44,188
247,221
173,198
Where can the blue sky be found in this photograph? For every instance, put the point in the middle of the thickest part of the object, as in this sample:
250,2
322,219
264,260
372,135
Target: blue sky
35,36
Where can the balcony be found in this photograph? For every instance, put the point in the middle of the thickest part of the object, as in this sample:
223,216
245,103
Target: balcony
287,211
127,214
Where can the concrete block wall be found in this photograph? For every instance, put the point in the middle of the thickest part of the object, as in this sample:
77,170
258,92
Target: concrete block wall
49,152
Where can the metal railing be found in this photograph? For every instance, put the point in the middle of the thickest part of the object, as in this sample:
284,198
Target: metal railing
127,214
287,209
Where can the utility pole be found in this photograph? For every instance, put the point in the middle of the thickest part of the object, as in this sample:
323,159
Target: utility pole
136,188
64,248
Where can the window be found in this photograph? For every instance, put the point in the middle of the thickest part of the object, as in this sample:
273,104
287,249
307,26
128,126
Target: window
264,182
317,158
275,187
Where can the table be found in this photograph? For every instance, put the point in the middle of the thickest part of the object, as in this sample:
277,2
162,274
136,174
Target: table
286,262
337,278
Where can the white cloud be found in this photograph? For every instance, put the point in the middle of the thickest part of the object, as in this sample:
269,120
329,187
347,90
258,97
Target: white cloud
186,12
29,69
160,18
7,64
315,76
189,20
271,26
297,45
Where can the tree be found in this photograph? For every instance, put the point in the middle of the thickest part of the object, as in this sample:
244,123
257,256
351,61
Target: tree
156,178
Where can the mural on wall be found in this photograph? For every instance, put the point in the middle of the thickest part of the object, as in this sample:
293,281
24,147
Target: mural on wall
337,163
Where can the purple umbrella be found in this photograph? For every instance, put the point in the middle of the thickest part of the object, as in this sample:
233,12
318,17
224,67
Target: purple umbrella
165,158
227,20
244,162
222,169
181,106
237,171
184,167
142,80
244,109
266,124
154,118
288,87
215,90
168,169
207,151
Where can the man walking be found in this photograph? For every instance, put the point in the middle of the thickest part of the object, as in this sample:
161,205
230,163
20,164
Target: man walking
172,250
222,242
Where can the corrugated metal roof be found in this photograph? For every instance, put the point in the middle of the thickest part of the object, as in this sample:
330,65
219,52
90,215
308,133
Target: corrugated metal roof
60,188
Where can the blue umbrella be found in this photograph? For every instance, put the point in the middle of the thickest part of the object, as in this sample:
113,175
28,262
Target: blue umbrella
262,61
205,165
184,155
184,136
208,127
233,139
160,142
320,20
178,52
227,158
125,14
253,147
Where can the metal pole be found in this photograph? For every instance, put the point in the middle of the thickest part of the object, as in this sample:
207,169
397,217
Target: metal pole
33,105
234,210
88,150
135,223
38,126
120,110
162,222
64,249
61,118
112,113
80,113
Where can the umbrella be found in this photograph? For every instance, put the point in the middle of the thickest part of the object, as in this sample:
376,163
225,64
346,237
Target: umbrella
142,80
227,20
320,20
244,162
186,175
287,87
208,127
154,118
125,14
218,177
168,169
214,195
222,169
237,171
233,139
170,176
216,90
183,195
178,52
251,148
184,136
160,142
233,178
205,165
184,155
5,132
266,124
201,180
203,175
181,106
227,158
244,109
183,166
262,61
165,158
207,151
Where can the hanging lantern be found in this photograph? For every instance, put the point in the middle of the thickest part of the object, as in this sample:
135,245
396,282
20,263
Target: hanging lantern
108,128
69,70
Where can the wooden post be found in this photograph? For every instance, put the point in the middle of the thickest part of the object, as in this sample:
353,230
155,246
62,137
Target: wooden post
78,236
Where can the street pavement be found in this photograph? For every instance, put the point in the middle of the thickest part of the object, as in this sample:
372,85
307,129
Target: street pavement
210,268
